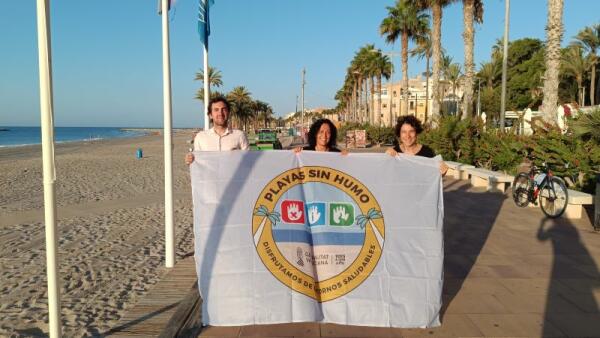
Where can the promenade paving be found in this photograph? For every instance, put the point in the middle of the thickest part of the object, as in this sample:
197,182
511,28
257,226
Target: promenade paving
508,272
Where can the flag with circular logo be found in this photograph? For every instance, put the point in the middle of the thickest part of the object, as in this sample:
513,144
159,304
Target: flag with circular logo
284,237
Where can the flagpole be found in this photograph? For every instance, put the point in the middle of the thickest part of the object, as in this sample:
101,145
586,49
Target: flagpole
168,141
204,32
206,87
46,106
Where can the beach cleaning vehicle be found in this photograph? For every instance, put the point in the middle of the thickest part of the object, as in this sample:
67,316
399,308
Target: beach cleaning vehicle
265,139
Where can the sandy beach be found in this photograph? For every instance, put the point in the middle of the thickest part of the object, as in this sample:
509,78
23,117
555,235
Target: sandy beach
111,231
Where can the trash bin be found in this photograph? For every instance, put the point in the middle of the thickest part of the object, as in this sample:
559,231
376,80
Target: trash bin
139,153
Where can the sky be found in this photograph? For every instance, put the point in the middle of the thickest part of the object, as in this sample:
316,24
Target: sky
107,54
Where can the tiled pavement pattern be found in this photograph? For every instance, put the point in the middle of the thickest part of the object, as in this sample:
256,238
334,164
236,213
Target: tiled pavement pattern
508,273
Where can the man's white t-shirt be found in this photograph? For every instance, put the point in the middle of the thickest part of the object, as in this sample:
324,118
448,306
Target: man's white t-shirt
209,140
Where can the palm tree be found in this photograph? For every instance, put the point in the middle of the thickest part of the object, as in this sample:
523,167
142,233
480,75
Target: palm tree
436,7
498,50
489,71
453,75
383,69
362,67
589,39
262,111
214,76
347,96
240,100
574,63
445,63
214,79
369,61
356,72
472,11
355,76
554,33
407,21
213,94
424,50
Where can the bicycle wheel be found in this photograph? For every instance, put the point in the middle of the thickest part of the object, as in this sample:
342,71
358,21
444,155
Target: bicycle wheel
520,189
554,197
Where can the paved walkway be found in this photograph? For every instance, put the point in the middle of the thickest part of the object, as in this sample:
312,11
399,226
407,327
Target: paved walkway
508,273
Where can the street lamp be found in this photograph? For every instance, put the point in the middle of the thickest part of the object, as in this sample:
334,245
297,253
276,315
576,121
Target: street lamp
504,64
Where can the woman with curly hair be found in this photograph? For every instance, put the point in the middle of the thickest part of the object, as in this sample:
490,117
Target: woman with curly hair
407,130
322,136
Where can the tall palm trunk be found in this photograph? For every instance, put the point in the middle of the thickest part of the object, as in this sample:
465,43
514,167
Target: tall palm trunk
372,101
366,102
378,116
554,33
580,98
454,95
359,100
426,86
348,107
436,34
468,37
593,84
354,105
404,107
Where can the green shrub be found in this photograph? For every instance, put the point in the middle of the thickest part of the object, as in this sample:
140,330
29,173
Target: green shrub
453,139
587,126
380,135
499,151
557,150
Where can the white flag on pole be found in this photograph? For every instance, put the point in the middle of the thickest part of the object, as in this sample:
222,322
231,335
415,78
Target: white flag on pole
283,237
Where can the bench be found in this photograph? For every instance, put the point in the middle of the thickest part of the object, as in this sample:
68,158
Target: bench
493,181
457,170
576,201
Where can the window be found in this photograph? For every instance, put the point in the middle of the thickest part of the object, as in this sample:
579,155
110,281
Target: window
383,105
412,105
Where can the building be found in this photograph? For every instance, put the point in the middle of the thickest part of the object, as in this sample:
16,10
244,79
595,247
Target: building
420,99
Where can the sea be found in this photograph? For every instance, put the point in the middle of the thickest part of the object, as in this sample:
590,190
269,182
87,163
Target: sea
20,136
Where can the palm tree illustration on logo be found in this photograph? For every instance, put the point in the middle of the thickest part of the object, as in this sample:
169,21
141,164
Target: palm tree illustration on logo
273,217
372,214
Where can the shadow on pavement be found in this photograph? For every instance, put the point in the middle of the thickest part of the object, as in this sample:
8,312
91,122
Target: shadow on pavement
468,220
573,278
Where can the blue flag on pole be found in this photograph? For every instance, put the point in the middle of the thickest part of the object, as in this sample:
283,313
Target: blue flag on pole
203,21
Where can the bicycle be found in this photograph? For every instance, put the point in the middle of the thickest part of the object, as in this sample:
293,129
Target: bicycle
542,185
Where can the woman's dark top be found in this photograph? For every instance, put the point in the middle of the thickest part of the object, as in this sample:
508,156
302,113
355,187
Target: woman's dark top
425,151
333,150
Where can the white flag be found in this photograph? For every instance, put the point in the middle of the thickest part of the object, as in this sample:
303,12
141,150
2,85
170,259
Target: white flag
283,237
